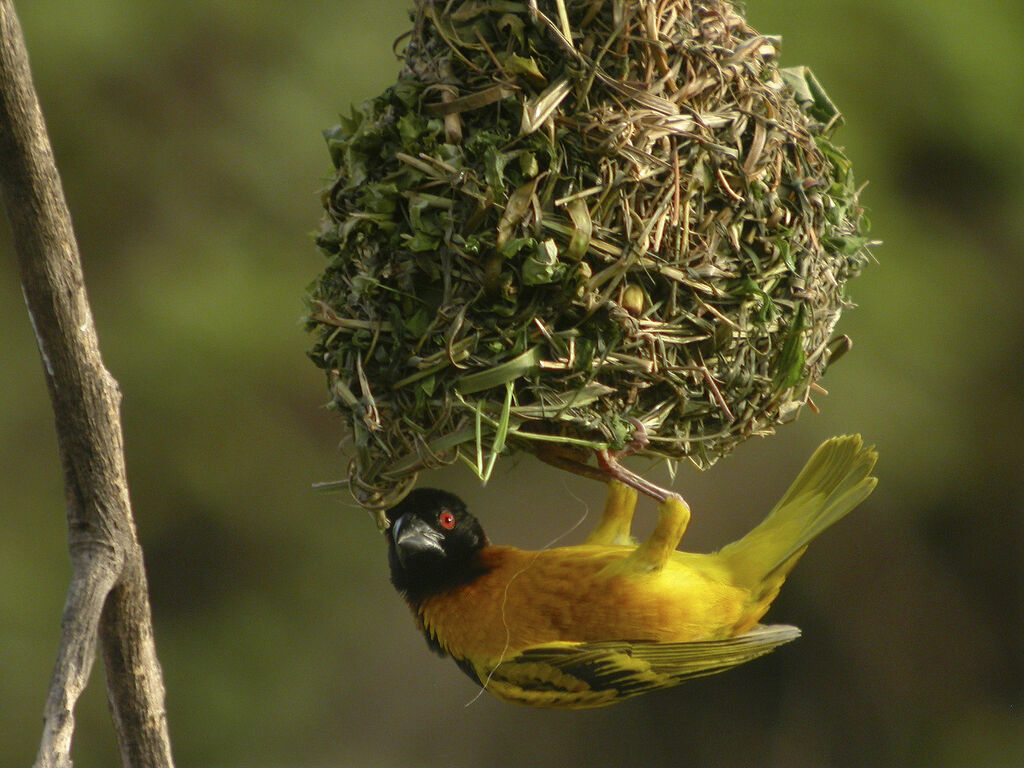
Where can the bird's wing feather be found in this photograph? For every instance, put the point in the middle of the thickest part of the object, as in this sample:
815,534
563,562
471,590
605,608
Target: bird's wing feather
585,675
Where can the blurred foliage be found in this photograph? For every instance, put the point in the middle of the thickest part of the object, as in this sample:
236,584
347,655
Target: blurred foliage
188,137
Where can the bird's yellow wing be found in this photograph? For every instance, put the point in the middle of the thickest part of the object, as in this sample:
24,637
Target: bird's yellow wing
586,675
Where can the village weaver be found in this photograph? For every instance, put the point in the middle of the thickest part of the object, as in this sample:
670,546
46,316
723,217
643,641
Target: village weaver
590,625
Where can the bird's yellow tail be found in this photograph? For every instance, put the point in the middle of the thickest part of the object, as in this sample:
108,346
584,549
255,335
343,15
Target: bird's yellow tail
834,481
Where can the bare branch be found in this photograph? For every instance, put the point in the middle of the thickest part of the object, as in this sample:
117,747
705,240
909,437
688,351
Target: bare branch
74,662
135,685
108,596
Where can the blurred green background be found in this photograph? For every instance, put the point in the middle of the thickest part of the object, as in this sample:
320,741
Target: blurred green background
188,138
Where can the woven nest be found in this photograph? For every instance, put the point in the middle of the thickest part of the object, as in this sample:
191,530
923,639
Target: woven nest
569,214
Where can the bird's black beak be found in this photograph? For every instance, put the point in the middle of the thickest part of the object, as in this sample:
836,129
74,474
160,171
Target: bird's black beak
414,539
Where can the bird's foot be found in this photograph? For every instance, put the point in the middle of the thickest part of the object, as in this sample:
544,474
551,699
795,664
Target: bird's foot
610,464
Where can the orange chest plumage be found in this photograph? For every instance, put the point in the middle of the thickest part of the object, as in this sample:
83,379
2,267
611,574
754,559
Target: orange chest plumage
575,594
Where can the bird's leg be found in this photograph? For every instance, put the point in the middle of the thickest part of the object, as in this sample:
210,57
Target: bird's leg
609,464
617,517
571,460
673,517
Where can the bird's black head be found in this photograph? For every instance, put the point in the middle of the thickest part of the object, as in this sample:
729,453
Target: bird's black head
432,544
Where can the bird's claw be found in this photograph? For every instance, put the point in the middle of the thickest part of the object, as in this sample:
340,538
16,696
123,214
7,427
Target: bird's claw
609,462
638,442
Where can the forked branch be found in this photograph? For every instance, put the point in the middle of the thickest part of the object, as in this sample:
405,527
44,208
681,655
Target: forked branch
108,596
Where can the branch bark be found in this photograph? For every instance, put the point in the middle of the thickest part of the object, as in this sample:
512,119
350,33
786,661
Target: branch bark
108,595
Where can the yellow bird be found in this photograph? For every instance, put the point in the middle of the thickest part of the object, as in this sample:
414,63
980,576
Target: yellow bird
589,625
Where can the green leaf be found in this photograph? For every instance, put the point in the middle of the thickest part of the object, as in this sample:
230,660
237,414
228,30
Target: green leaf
428,384
425,218
407,92
789,365
500,374
811,96
512,25
517,65
494,170
421,241
528,164
847,245
541,265
410,126
378,197
512,247
582,230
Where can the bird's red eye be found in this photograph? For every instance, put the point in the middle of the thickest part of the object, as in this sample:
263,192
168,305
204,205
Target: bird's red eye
446,519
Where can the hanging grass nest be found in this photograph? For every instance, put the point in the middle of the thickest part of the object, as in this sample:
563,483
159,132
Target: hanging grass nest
567,215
